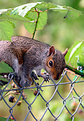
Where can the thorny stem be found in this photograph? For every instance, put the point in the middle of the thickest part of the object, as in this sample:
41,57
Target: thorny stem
75,70
38,13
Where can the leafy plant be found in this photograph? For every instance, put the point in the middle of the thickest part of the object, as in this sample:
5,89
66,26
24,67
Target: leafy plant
5,119
32,15
75,57
5,69
75,54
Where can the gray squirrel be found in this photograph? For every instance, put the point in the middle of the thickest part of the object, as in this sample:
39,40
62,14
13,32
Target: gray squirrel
25,54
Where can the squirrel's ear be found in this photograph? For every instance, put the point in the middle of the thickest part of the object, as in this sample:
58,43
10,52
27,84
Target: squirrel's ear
65,52
51,50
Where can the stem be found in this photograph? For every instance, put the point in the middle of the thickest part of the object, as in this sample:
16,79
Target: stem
75,70
38,13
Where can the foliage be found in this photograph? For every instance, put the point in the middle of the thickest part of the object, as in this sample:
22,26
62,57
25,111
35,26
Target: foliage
5,119
75,54
5,69
32,15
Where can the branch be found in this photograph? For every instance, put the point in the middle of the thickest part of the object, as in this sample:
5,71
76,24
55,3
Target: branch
75,70
38,13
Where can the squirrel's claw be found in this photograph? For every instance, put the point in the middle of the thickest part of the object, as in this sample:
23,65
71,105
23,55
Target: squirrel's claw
45,76
34,76
12,75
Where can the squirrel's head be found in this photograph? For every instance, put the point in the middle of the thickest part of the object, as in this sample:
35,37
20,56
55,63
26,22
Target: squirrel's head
55,62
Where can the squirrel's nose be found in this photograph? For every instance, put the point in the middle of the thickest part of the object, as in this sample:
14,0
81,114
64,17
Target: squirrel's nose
57,77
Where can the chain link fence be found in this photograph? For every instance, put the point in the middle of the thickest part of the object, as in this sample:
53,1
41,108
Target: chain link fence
55,106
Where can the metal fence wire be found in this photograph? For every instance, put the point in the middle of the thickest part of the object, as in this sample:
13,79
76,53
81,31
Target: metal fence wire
69,104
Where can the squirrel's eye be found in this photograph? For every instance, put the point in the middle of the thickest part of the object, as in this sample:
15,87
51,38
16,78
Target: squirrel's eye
50,63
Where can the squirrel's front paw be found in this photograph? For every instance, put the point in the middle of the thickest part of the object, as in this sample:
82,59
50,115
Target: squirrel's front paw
12,75
45,76
26,83
34,76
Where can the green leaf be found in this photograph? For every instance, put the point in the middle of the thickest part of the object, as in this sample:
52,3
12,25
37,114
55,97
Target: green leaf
73,13
30,26
5,68
6,30
2,119
5,119
3,81
42,20
3,10
27,14
59,8
23,9
45,6
75,55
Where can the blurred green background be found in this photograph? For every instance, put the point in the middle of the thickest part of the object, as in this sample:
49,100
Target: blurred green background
61,32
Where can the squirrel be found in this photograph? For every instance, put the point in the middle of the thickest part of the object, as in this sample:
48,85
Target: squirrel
25,54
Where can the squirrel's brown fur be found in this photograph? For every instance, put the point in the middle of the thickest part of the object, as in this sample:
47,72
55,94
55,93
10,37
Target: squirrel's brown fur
24,54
